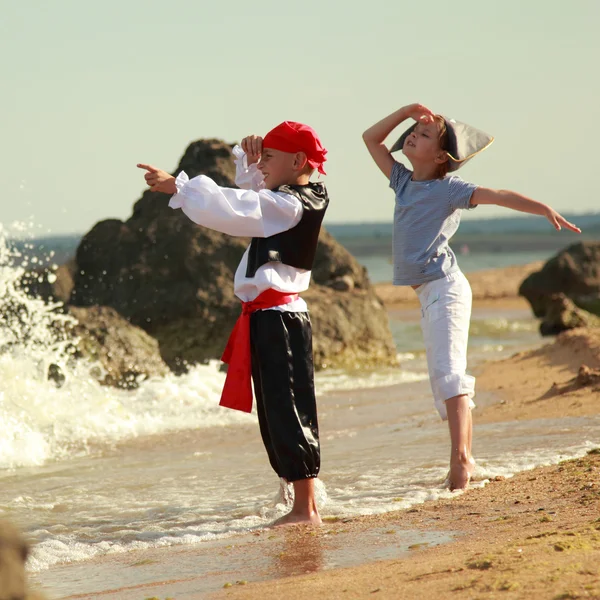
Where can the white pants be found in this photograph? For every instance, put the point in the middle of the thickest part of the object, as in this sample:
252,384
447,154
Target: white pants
445,315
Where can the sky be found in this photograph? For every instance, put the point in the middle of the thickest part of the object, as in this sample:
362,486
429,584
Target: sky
89,89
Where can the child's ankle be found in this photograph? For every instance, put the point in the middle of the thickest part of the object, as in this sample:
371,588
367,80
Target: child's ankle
463,458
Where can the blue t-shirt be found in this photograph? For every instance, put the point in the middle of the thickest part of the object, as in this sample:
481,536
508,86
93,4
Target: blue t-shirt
426,216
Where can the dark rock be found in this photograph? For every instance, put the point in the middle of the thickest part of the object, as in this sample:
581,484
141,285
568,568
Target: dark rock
334,263
52,285
562,314
574,272
350,329
174,279
125,353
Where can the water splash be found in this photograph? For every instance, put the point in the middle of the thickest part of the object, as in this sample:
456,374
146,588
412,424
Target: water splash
43,420
29,326
32,338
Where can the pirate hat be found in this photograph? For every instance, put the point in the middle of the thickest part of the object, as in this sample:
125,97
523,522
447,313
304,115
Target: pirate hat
464,142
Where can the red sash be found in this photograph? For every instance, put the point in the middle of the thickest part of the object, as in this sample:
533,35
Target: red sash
237,391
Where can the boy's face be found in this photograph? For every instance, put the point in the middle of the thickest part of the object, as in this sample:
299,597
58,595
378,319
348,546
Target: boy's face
278,168
423,144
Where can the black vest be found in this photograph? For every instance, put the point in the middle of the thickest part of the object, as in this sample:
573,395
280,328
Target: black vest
297,246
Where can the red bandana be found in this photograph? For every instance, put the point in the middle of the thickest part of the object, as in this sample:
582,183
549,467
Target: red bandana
296,137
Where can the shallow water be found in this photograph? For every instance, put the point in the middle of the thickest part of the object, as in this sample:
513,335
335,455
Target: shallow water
186,572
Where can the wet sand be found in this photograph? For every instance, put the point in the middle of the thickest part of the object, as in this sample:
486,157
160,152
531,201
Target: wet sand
535,535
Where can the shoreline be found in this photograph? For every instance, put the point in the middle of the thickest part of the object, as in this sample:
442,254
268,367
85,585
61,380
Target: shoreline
535,535
490,287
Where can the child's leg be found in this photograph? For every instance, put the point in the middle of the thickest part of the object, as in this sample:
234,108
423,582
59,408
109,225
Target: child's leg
460,423
262,420
286,404
446,312
306,406
305,504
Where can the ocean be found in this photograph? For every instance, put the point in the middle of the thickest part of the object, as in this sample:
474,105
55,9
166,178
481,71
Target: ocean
90,472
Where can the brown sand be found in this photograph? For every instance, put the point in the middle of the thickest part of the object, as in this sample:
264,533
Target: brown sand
536,535
544,381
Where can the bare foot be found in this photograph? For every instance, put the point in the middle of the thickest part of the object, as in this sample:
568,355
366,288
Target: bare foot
460,474
297,518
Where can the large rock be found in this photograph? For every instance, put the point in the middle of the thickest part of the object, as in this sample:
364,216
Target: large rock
174,279
562,314
348,328
574,272
124,354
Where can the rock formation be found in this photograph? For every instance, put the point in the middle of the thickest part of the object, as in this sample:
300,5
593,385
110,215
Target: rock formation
174,279
566,289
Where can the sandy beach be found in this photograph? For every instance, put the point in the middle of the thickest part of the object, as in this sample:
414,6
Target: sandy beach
534,535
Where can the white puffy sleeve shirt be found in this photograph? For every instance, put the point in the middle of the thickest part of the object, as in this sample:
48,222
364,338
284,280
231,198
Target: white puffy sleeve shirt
249,212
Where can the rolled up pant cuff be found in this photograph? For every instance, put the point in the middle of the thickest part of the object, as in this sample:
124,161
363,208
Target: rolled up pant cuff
452,385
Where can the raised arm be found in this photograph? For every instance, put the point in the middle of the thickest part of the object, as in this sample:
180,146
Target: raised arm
375,135
246,157
521,203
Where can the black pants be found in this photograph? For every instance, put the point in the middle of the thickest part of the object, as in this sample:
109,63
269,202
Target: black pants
283,375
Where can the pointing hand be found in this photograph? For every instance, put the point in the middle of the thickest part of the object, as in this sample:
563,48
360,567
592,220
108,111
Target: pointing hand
158,180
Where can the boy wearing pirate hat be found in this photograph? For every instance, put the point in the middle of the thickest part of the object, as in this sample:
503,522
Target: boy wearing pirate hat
429,202
271,344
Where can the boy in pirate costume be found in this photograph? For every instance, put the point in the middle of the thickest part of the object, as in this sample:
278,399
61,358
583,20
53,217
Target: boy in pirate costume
282,210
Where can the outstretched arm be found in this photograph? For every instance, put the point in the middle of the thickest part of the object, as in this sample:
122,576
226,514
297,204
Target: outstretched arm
375,135
244,213
522,204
